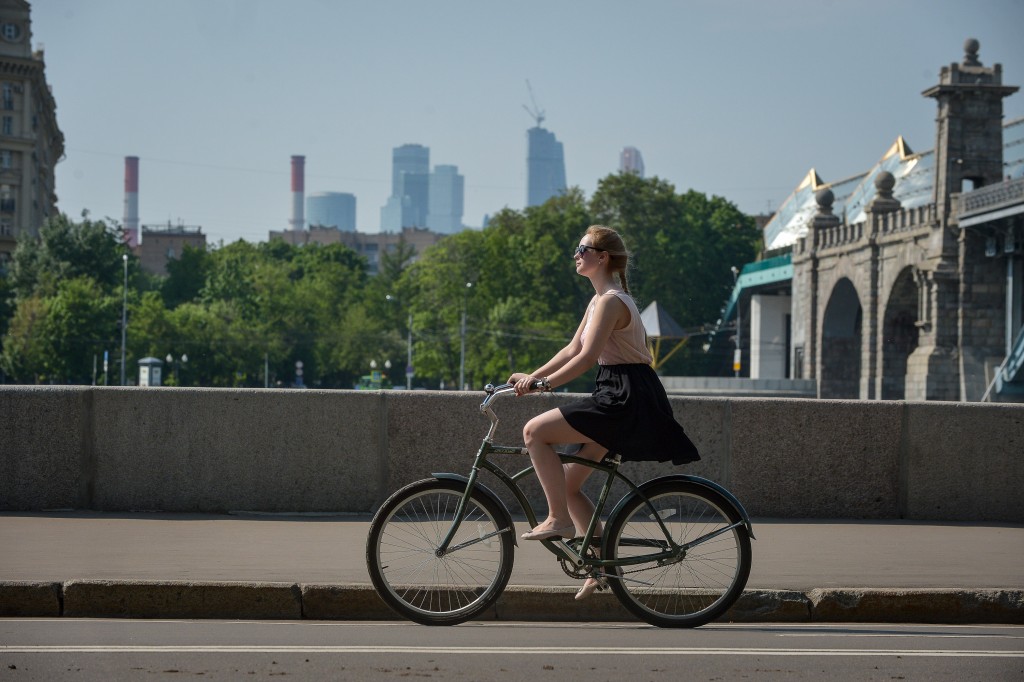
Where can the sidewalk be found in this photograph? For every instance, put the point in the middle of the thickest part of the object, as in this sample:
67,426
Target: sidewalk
259,566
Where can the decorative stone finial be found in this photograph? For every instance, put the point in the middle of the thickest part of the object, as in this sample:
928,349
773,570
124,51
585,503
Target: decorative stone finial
884,182
883,201
971,52
824,199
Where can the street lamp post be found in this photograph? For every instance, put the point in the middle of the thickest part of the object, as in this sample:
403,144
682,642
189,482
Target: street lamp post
408,361
124,317
737,360
462,354
175,365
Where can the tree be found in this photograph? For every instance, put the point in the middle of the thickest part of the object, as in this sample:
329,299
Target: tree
186,276
7,305
65,250
683,247
524,302
56,338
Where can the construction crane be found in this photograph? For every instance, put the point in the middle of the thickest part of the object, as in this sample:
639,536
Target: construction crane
537,113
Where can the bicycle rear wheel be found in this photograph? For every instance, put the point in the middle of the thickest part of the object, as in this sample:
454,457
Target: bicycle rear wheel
698,585
406,570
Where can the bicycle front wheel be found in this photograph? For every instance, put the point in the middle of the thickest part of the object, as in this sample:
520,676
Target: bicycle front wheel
408,573
698,584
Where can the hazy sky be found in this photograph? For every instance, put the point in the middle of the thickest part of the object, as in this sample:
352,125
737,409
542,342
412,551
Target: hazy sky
737,98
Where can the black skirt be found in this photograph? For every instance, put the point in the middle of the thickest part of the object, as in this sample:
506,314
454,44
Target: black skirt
629,414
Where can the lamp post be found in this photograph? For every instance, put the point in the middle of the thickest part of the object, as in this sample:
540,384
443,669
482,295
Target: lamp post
408,361
462,354
737,359
175,365
124,317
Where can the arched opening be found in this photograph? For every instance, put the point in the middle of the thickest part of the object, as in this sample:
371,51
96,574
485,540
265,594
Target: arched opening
841,343
899,335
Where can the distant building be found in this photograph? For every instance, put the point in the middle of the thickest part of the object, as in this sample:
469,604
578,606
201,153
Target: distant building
161,243
410,176
332,209
545,166
630,161
446,200
370,246
31,144
905,281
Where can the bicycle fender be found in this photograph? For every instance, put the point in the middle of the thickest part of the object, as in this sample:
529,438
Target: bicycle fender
487,492
705,483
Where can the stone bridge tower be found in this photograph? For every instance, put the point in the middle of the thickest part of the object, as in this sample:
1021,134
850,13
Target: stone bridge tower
907,304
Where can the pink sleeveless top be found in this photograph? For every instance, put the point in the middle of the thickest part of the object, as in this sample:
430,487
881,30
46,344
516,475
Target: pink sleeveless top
626,346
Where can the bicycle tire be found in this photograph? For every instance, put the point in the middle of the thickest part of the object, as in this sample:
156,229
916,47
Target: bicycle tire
699,586
410,577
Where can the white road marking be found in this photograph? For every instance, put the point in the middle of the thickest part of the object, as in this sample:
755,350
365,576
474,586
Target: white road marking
897,634
537,651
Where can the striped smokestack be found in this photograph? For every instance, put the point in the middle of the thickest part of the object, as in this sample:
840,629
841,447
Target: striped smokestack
131,200
298,193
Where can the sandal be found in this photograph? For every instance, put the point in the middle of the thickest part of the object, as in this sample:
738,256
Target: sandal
591,586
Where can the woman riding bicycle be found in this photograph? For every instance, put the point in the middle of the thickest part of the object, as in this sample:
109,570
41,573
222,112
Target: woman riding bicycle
628,413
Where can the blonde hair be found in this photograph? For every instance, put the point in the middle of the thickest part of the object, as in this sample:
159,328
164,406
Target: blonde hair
608,240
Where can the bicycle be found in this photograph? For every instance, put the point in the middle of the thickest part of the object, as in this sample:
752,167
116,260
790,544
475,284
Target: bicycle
675,550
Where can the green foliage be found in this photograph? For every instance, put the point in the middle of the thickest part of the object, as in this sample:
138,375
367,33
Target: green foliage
66,250
55,338
6,302
186,276
67,285
238,308
683,247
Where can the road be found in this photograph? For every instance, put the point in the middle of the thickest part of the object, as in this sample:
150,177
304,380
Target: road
86,649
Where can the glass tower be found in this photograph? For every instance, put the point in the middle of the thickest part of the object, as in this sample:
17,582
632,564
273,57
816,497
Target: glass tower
545,166
446,200
410,171
630,161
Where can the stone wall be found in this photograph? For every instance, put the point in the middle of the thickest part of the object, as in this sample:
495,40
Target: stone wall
220,450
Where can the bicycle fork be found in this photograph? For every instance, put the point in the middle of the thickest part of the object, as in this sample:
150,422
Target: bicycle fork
460,511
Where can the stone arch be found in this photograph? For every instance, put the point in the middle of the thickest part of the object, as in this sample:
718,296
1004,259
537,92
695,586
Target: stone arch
899,334
841,343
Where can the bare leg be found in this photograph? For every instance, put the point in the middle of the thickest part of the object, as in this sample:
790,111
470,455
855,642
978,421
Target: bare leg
539,434
581,509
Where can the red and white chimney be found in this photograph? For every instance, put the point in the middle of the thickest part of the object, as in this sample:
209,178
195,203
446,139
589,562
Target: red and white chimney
298,221
131,200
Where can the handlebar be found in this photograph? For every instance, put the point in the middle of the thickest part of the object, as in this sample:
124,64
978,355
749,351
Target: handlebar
493,392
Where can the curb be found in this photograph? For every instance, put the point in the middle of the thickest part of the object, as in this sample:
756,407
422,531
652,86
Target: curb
325,601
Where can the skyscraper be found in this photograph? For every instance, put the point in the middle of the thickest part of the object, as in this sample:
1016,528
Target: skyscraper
409,201
332,209
545,166
446,199
630,161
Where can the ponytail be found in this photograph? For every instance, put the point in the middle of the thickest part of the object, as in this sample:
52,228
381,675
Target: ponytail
622,280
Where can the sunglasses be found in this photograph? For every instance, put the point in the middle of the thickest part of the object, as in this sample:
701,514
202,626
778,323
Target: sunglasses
582,249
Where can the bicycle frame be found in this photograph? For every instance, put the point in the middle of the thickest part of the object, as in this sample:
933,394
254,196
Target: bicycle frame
670,549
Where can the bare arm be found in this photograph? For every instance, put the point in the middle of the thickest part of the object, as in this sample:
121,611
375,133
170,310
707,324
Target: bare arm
610,313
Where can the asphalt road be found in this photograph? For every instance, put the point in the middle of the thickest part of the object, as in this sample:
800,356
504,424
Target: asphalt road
85,649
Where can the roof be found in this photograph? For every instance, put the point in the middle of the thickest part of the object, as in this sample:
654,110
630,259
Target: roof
659,323
915,180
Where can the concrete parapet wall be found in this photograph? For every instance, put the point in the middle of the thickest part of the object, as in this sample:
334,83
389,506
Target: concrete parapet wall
217,450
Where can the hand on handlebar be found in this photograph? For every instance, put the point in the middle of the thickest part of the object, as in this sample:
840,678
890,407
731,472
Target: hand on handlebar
527,383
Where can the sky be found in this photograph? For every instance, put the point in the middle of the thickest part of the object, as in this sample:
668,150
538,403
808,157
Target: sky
734,98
